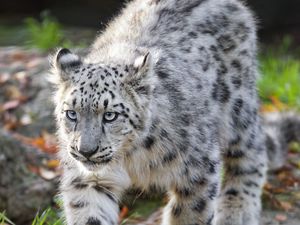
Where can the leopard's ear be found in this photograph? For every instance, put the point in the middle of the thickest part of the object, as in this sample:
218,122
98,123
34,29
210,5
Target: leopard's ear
142,63
64,63
140,74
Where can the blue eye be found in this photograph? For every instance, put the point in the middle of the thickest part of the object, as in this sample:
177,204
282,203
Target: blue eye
71,115
110,117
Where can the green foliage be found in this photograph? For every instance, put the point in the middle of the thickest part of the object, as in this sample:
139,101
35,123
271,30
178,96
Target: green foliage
45,34
280,76
4,219
48,217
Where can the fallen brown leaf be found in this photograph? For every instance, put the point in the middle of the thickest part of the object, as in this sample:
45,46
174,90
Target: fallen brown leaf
38,142
4,77
123,213
281,217
287,206
10,105
53,164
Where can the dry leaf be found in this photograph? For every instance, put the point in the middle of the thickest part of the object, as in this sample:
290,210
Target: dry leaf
10,105
277,103
12,92
286,205
267,108
53,164
280,217
123,213
38,142
18,55
34,169
34,63
10,121
4,77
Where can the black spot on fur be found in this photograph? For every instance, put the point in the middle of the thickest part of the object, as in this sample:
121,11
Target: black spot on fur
226,43
222,70
199,205
242,32
246,192
198,180
74,102
176,210
143,90
105,103
112,94
220,91
234,154
210,165
192,34
232,192
164,133
231,7
243,114
212,191
183,133
185,119
235,170
270,144
193,161
133,124
169,157
236,81
237,106
188,8
183,192
149,141
250,183
236,64
78,183
162,74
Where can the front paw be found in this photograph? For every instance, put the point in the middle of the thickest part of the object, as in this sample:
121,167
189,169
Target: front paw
236,216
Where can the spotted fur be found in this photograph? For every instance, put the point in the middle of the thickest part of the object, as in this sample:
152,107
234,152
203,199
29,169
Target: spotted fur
164,99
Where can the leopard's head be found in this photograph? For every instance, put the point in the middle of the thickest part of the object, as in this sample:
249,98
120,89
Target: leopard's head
101,109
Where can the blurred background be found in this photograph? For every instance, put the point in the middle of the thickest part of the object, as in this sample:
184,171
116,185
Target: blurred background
29,169
276,18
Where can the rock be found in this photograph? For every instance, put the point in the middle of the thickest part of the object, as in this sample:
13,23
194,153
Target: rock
22,193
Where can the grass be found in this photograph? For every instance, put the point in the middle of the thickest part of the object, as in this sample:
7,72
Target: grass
48,217
4,219
280,77
44,34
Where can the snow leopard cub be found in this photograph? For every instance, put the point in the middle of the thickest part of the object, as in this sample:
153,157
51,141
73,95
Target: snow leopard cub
165,98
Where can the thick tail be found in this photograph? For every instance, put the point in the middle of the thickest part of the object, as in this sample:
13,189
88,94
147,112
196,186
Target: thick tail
280,129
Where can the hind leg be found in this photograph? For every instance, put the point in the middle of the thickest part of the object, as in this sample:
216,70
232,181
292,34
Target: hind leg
244,168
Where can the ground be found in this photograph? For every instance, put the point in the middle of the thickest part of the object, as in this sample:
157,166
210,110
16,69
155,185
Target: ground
26,116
